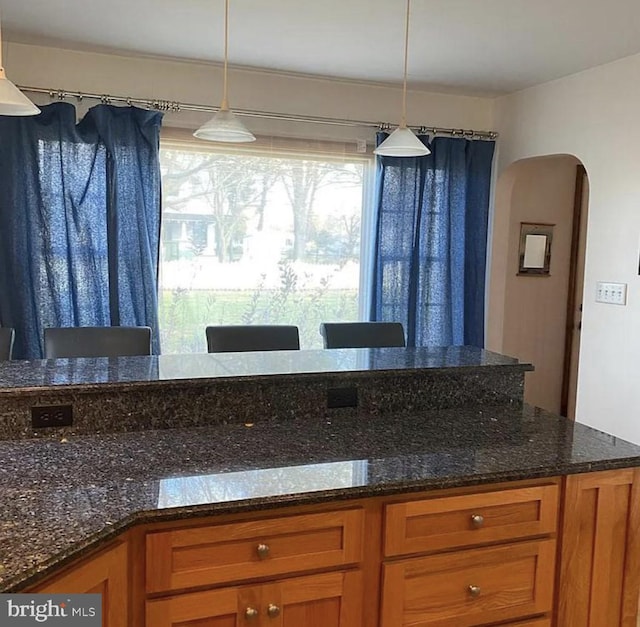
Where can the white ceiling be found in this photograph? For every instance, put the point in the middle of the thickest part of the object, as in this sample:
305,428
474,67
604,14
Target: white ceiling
470,46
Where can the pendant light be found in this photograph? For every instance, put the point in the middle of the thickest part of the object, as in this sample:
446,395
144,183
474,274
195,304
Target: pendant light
224,126
403,142
12,100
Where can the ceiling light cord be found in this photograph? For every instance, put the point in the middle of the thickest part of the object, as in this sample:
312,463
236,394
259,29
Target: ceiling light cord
224,126
403,141
403,119
225,101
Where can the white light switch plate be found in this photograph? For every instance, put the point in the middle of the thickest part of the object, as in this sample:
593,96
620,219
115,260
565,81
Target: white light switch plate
612,293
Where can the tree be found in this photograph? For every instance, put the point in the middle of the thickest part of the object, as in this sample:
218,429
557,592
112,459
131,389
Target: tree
302,179
219,186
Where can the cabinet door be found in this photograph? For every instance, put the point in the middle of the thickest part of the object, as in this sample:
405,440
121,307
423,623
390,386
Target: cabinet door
105,574
600,560
214,608
327,600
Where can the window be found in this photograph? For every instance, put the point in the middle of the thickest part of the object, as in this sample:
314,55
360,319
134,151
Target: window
258,237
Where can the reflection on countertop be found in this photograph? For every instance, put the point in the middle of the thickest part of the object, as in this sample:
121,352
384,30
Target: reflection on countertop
166,368
260,483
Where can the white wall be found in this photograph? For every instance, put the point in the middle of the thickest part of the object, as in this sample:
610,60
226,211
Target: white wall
200,83
595,115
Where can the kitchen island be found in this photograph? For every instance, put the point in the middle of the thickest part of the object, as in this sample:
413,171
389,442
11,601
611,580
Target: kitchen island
475,514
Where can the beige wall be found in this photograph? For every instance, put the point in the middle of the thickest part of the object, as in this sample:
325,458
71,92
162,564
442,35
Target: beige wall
201,83
527,314
595,115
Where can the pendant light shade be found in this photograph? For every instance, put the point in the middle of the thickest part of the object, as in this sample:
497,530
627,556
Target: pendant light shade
225,126
12,100
403,142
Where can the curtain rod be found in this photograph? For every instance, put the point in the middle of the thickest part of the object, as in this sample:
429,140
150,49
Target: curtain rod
173,106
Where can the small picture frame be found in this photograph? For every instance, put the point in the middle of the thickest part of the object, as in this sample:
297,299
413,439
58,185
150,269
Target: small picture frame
535,249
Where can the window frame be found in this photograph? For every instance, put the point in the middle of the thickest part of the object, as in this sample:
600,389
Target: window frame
303,148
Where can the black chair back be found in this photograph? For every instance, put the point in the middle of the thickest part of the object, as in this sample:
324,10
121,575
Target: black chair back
362,334
243,338
7,335
96,342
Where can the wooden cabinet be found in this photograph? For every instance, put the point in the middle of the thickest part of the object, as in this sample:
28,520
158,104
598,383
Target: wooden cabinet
106,574
273,551
472,587
455,586
324,600
471,519
214,554
600,560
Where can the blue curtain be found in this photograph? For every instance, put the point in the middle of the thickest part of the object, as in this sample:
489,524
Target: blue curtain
79,221
431,242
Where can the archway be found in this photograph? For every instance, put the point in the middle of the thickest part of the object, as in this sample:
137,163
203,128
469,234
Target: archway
536,317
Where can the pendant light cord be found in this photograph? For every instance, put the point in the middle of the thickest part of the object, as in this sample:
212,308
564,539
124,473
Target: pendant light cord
1,66
225,103
403,120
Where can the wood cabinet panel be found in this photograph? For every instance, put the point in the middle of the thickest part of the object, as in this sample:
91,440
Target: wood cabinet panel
213,608
473,519
540,622
471,587
263,548
326,600
600,562
106,574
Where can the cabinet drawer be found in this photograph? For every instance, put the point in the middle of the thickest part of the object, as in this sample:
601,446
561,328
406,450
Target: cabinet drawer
471,587
459,521
200,556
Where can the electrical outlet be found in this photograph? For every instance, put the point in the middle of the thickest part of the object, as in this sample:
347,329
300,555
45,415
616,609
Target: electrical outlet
51,416
611,293
342,397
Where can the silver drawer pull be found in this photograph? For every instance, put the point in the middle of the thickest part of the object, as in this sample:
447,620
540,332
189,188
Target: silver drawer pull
474,591
250,613
273,610
263,551
477,520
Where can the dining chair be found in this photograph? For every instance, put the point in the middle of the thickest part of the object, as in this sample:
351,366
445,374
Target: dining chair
7,336
96,342
243,338
362,334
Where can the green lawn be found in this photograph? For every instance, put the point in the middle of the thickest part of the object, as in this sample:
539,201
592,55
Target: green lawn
185,314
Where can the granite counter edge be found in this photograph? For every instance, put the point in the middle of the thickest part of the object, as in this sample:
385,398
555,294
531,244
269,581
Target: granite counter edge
168,384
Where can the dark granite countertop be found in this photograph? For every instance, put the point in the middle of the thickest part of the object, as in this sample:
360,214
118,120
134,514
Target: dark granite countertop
24,376
60,499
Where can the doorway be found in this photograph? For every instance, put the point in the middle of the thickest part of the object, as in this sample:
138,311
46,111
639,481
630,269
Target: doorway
536,317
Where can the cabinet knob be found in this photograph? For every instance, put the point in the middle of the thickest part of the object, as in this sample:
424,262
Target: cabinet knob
273,610
250,613
263,551
477,520
474,591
